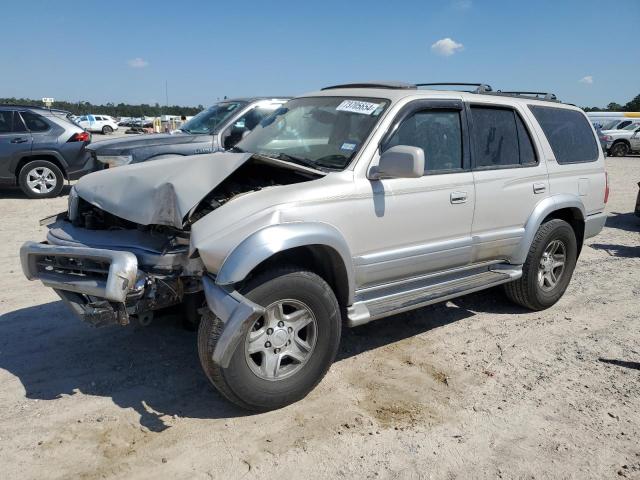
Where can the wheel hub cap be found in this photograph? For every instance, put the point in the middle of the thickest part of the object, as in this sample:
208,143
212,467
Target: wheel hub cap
552,265
281,341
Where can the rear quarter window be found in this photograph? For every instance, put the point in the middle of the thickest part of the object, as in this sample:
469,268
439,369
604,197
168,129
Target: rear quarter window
568,133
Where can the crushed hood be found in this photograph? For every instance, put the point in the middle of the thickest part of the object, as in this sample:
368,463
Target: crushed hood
158,193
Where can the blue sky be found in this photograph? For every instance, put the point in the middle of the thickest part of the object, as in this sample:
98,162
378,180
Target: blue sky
585,51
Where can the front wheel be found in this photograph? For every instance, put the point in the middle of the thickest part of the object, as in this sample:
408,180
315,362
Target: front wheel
548,268
287,351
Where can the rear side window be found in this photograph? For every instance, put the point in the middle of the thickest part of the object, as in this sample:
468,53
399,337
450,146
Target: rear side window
34,122
438,133
568,133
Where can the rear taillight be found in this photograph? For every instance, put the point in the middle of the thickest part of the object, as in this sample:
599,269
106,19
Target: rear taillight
80,137
606,188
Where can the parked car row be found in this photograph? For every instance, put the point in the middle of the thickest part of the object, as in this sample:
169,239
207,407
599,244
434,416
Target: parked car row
335,208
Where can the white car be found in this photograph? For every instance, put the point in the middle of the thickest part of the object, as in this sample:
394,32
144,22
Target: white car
98,123
620,143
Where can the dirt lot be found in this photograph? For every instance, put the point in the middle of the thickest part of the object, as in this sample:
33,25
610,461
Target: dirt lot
474,388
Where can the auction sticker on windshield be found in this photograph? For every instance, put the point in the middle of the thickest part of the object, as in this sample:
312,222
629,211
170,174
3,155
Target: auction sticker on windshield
357,106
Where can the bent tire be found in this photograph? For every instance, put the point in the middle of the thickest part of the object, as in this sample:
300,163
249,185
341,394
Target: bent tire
41,179
548,268
287,351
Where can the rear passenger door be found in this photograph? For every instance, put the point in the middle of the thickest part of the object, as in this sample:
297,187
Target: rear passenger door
510,178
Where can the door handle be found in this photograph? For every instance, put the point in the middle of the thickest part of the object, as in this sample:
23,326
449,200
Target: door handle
539,188
458,197
19,140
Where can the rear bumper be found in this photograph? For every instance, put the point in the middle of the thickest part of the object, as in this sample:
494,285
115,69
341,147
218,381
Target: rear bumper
594,224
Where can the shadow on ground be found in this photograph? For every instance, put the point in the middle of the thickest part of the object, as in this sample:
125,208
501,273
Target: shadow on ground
623,221
622,251
155,370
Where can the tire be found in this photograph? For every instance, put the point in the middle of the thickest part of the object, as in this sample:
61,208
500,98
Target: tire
619,149
41,179
240,382
527,291
106,130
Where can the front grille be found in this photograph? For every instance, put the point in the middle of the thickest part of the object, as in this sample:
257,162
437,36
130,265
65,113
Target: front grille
80,267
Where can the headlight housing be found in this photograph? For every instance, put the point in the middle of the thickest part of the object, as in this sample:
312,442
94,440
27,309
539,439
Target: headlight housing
115,160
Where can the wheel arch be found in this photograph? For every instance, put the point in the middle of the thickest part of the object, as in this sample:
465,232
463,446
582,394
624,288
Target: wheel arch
319,247
565,207
52,157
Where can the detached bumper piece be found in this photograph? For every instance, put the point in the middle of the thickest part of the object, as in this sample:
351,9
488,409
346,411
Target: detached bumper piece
94,283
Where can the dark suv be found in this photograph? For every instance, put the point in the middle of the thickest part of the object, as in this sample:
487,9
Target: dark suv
40,148
219,127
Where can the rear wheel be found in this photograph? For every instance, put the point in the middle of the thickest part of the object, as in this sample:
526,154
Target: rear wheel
41,179
548,269
287,351
619,149
107,130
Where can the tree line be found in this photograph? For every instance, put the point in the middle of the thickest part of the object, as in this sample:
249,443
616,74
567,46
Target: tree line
112,109
631,106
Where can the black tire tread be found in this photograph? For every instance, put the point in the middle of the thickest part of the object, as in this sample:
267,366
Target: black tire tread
210,329
517,291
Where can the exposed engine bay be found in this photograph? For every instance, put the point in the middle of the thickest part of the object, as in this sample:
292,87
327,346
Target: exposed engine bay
252,176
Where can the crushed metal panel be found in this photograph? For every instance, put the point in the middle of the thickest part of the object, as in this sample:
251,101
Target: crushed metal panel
160,192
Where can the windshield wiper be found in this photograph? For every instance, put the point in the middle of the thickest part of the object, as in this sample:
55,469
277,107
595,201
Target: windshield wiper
302,161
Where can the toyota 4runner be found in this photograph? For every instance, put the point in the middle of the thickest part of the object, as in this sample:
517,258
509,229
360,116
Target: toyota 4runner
344,206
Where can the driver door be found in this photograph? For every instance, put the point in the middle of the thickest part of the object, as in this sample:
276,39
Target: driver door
421,225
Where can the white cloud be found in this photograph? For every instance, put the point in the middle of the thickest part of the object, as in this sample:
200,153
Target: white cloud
446,47
588,80
138,63
462,4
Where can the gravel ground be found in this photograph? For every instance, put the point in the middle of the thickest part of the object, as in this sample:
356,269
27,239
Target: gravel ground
472,388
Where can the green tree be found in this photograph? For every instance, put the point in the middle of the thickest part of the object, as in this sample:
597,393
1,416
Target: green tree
633,105
614,107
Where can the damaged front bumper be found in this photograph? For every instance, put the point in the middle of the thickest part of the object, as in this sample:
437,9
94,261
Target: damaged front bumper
105,287
101,286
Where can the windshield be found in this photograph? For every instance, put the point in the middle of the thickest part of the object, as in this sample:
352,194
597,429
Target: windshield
319,132
610,125
210,119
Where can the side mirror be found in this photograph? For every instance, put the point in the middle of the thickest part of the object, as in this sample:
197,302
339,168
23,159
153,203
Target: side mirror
401,161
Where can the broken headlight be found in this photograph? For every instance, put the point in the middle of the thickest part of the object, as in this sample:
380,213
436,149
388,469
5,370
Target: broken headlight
115,160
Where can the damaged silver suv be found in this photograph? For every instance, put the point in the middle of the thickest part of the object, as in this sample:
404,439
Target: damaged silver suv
345,206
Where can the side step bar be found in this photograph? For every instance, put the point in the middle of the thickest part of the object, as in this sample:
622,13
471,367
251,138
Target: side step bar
426,291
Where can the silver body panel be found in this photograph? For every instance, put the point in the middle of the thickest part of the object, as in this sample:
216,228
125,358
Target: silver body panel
402,242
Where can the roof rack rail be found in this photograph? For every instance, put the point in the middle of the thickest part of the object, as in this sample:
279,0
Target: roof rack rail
387,85
550,97
480,87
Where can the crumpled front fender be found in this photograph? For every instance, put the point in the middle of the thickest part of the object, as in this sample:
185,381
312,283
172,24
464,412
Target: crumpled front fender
237,314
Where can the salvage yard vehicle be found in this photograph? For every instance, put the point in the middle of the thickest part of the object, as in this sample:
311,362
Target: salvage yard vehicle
345,206
620,143
97,123
40,148
217,128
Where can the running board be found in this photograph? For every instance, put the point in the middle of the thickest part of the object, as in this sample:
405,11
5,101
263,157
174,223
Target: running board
383,302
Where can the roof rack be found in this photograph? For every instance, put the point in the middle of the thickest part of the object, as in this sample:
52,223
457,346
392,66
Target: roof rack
386,85
550,97
480,87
